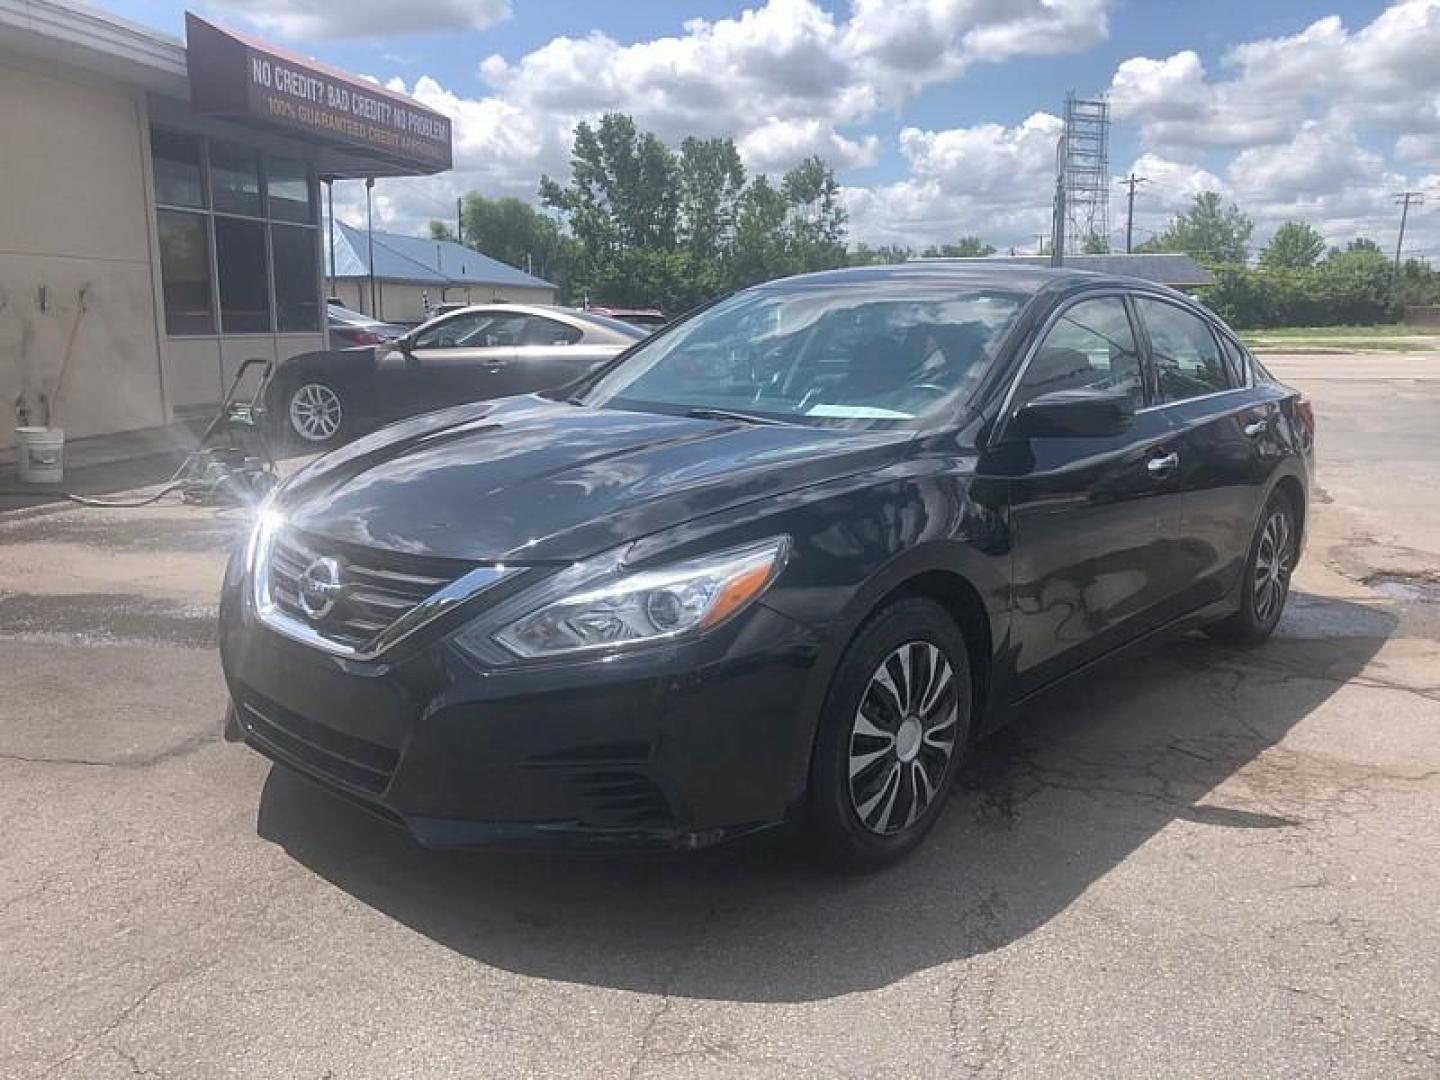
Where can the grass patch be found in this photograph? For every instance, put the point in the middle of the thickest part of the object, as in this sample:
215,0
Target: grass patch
1391,337
1383,330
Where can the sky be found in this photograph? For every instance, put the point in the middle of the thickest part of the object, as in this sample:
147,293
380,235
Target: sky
940,116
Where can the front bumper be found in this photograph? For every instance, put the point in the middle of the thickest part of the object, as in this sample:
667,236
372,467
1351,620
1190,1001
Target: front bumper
676,747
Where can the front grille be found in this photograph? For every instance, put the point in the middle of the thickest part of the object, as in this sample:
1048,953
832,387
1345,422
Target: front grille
334,755
379,588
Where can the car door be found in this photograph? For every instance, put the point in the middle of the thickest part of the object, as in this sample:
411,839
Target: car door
1226,441
451,361
551,353
1094,521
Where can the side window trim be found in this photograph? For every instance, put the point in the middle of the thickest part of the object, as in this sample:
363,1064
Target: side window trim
1141,333
1247,362
1007,402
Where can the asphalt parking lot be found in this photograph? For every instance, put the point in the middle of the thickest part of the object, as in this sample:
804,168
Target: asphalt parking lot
1203,862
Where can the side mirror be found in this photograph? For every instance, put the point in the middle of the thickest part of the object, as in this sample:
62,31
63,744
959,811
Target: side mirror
406,344
1075,414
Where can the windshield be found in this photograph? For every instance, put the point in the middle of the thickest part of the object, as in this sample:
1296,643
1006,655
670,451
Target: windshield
866,355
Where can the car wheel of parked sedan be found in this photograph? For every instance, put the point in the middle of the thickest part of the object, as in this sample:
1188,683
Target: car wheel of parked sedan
1266,585
316,414
895,724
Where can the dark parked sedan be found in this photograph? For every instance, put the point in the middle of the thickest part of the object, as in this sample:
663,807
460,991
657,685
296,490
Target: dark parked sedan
783,562
351,329
484,351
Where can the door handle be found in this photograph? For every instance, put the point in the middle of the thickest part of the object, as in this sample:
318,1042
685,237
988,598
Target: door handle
1256,429
1159,466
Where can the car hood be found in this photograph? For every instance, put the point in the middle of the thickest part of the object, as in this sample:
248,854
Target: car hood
532,480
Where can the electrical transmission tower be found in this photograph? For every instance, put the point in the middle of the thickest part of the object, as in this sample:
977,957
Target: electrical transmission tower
1085,171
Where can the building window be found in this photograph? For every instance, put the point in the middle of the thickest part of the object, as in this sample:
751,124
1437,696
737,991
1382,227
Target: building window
240,257
288,186
185,273
179,180
234,180
222,198
297,291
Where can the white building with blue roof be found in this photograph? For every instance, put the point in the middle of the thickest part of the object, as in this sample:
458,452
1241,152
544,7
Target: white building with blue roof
413,274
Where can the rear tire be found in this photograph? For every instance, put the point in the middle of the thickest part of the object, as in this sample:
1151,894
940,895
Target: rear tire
894,727
315,413
1266,583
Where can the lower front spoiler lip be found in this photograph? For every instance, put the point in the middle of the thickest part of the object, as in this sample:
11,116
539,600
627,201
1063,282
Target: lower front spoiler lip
456,834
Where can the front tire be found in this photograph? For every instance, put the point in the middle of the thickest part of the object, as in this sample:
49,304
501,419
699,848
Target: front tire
316,413
1266,584
895,725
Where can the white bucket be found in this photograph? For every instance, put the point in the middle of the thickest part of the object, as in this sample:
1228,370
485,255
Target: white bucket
42,454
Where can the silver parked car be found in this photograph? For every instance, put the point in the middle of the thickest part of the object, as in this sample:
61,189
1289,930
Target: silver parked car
475,353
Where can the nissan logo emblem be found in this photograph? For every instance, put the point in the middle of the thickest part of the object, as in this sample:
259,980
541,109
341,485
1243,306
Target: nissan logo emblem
320,587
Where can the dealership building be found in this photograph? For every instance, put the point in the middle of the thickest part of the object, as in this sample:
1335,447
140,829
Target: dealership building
163,209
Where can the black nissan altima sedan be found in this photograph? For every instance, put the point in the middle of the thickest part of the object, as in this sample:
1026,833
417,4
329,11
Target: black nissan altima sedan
784,561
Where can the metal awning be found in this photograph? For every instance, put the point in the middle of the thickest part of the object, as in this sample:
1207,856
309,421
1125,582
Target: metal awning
376,132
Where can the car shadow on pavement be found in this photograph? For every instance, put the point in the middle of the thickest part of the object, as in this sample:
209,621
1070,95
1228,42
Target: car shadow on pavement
1044,810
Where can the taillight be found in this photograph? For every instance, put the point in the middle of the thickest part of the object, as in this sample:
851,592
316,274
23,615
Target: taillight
365,337
1305,413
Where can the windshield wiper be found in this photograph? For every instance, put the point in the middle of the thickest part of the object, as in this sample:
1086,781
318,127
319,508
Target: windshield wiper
726,414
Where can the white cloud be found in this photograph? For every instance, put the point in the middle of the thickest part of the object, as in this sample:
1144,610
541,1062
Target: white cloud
904,45
1306,116
1384,73
1320,124
367,18
784,79
988,179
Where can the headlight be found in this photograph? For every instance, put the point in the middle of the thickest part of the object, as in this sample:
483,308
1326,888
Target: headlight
605,607
267,523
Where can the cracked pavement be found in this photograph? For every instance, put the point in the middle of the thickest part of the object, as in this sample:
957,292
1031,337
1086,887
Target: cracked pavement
1201,862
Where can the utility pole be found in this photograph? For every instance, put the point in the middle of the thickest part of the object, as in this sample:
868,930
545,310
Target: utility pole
1040,242
1131,182
329,182
1058,210
459,219
1404,198
370,244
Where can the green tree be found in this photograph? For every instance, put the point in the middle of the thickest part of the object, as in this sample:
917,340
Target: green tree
650,226
1362,243
968,247
884,255
711,179
514,232
1095,244
815,218
1207,231
760,251
1295,246
439,230
623,191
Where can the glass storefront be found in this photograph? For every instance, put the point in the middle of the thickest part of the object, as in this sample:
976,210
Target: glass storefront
239,238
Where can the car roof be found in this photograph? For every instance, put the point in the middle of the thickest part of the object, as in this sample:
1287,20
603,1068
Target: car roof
579,319
976,273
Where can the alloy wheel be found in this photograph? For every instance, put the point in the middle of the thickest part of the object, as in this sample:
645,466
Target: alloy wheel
315,412
903,737
1273,563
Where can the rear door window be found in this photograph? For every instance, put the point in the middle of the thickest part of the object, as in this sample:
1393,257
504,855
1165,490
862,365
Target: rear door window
1187,358
542,331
